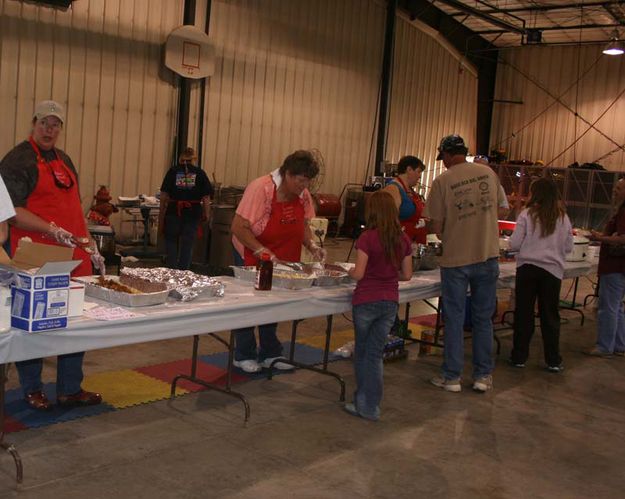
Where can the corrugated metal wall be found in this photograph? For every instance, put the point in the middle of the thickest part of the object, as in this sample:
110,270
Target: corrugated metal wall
293,75
434,94
543,128
289,75
306,74
102,61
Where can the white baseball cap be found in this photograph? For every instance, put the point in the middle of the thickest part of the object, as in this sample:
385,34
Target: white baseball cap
49,108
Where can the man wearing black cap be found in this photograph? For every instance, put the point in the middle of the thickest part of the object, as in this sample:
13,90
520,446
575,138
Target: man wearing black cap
462,206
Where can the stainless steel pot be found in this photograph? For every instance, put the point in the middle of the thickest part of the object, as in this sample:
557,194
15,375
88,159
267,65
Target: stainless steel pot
426,256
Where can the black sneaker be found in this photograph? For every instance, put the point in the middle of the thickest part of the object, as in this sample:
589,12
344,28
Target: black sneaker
555,369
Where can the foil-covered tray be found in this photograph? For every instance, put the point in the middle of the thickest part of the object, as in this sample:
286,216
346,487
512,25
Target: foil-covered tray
119,298
281,278
183,284
326,278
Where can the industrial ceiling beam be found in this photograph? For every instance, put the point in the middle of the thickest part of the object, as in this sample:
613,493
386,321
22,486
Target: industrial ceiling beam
546,8
554,28
617,11
495,21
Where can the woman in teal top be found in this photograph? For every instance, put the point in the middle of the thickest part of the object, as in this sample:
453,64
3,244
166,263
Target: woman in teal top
408,202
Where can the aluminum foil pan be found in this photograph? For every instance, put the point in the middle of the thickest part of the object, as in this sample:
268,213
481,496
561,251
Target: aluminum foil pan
119,298
183,284
330,278
281,278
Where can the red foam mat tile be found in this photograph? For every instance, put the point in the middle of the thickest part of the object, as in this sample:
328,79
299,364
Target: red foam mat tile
207,372
424,320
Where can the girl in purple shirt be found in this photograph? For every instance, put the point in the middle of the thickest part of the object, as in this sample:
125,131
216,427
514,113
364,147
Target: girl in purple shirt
542,236
383,257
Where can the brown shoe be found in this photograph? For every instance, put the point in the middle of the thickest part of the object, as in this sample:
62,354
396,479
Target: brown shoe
80,399
595,352
619,353
38,401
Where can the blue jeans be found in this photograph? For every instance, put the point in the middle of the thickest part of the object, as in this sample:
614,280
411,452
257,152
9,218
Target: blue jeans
68,374
244,340
245,343
481,280
372,323
179,238
610,318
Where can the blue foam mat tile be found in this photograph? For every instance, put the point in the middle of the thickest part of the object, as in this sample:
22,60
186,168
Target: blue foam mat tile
221,360
303,353
18,409
309,355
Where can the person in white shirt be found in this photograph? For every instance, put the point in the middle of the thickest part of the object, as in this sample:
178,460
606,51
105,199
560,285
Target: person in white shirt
7,211
542,236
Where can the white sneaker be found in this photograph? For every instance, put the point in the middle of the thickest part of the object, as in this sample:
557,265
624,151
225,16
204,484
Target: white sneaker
248,365
346,351
449,385
483,384
280,366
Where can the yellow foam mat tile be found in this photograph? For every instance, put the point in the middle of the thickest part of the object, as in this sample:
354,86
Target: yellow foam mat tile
338,339
126,388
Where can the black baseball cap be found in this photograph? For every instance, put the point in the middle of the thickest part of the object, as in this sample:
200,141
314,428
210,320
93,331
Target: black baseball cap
452,144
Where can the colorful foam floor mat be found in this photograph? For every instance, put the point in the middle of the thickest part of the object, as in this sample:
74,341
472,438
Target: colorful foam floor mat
130,387
143,385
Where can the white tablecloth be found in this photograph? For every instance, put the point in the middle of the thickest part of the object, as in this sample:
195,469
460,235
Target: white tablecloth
240,307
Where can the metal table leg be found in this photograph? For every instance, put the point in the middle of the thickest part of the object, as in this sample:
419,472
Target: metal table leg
573,307
211,386
299,365
437,328
10,448
595,294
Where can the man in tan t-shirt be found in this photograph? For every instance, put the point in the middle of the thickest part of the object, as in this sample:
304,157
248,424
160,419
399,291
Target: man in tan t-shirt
462,208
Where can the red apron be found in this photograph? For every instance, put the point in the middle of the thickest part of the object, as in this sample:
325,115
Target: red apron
417,235
284,233
53,203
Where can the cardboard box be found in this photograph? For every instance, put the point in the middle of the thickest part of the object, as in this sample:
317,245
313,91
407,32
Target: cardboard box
76,299
40,297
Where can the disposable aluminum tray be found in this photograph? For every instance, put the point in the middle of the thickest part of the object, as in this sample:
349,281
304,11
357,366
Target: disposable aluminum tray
119,298
329,278
281,279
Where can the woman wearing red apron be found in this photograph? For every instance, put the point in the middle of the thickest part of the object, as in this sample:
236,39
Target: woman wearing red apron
272,217
43,185
409,204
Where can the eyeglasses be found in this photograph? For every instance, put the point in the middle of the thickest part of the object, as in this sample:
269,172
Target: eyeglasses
55,125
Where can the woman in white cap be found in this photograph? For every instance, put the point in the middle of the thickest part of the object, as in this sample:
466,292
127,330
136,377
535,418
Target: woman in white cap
43,184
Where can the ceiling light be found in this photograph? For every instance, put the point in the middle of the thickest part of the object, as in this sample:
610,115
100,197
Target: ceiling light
615,47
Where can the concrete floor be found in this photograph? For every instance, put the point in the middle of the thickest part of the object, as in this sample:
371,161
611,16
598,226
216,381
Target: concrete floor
536,434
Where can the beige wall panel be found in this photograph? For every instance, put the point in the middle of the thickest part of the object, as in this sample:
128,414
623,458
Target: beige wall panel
102,61
434,93
9,53
542,128
292,75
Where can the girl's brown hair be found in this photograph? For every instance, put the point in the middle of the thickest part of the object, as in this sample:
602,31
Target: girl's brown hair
382,214
545,205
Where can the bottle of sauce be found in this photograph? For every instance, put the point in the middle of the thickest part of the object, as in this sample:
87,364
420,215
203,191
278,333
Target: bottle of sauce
264,273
